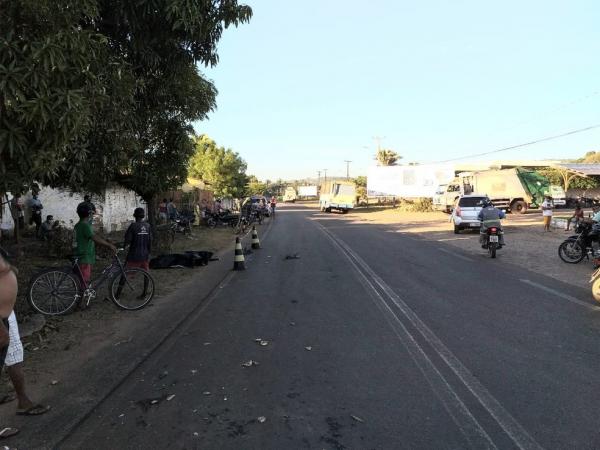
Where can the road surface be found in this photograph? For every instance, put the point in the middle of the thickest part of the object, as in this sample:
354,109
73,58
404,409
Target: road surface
374,340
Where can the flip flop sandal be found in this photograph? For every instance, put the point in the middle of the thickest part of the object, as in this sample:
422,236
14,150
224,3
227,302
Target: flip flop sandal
35,410
7,399
8,432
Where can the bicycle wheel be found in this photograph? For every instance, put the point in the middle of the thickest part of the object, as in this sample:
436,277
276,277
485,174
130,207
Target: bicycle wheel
53,292
132,290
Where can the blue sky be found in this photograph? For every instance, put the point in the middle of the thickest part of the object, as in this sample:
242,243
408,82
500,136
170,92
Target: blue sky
308,84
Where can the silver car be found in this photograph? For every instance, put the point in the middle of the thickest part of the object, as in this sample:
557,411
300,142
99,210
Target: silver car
466,210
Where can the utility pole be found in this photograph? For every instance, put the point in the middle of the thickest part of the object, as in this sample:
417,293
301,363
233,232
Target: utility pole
347,169
325,171
318,177
378,139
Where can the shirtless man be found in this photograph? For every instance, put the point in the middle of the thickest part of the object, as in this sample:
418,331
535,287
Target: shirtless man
8,296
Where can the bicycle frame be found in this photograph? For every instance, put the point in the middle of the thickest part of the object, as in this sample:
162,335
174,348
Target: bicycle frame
108,273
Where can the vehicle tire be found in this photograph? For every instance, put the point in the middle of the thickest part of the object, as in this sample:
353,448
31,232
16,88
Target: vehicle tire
518,207
596,289
327,210
53,292
134,291
492,246
211,222
571,252
344,211
456,229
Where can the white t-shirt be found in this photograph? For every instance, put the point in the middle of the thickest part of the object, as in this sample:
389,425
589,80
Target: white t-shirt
547,204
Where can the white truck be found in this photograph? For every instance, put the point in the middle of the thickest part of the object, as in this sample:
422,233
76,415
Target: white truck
514,190
412,181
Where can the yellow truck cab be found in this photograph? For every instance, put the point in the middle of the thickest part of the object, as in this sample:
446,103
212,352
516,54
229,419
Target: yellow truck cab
340,195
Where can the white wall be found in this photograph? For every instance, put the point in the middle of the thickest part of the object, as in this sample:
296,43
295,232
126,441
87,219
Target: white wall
118,207
114,209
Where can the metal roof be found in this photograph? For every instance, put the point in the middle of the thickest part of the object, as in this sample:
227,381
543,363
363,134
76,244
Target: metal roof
581,169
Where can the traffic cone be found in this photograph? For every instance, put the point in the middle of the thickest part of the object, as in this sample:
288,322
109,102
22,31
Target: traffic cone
255,241
239,263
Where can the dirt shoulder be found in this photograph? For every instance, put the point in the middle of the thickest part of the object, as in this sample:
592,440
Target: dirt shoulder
75,360
528,245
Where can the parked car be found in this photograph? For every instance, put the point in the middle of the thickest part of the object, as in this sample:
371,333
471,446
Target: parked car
466,210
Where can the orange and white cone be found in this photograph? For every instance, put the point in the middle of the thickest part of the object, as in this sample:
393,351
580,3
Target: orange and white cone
239,263
255,241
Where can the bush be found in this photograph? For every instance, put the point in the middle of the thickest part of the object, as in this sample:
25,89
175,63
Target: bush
423,204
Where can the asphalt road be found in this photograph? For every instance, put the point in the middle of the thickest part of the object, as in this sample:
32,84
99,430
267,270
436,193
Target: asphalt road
375,340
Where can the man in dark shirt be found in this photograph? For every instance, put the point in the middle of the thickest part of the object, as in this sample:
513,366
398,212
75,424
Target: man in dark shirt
139,240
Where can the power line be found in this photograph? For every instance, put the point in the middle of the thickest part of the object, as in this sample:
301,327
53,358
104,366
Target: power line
537,141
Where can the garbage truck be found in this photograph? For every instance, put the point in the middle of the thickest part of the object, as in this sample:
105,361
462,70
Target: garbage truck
514,190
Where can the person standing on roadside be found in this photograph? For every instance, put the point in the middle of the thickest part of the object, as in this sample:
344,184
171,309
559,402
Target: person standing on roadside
163,211
171,210
8,295
36,212
273,205
88,202
547,207
139,239
86,243
18,205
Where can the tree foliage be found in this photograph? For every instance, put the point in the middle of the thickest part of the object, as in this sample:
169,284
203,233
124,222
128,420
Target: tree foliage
387,157
590,158
255,186
222,169
99,90
568,180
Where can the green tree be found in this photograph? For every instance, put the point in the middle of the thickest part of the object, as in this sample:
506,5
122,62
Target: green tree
387,157
255,186
568,179
590,158
223,169
361,187
98,90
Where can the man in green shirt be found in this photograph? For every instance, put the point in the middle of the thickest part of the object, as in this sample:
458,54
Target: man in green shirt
86,242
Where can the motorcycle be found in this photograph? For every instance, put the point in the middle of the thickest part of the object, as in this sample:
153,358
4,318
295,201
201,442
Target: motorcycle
492,241
581,245
225,218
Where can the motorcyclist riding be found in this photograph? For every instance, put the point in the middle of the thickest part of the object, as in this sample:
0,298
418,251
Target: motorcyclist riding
490,216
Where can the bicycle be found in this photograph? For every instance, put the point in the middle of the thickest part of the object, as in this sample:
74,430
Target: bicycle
55,292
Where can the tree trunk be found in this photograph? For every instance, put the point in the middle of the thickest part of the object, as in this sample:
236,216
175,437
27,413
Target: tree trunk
15,216
152,208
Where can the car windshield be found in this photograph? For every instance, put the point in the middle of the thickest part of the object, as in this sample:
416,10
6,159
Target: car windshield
471,202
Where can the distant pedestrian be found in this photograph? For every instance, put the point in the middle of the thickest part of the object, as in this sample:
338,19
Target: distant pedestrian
18,205
163,211
577,217
87,200
48,228
547,207
36,213
171,210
